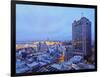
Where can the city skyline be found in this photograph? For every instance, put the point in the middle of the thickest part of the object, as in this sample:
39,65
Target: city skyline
43,22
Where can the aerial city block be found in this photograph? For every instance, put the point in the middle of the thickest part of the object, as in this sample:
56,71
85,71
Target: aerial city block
52,55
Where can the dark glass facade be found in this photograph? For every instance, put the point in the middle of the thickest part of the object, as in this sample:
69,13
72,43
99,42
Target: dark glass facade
81,36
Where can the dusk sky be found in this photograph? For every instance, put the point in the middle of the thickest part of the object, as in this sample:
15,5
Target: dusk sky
34,22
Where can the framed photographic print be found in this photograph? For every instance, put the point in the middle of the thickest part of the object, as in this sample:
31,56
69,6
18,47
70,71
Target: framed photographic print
52,38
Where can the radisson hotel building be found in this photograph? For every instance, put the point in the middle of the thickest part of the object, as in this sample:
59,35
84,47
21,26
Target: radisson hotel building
81,36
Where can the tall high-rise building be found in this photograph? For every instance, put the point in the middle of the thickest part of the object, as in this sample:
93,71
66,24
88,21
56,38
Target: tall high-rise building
81,36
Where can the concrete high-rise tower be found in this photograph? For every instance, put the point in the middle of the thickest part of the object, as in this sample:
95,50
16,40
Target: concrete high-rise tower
81,36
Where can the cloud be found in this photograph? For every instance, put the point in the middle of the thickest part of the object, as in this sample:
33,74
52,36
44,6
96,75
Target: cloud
41,22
